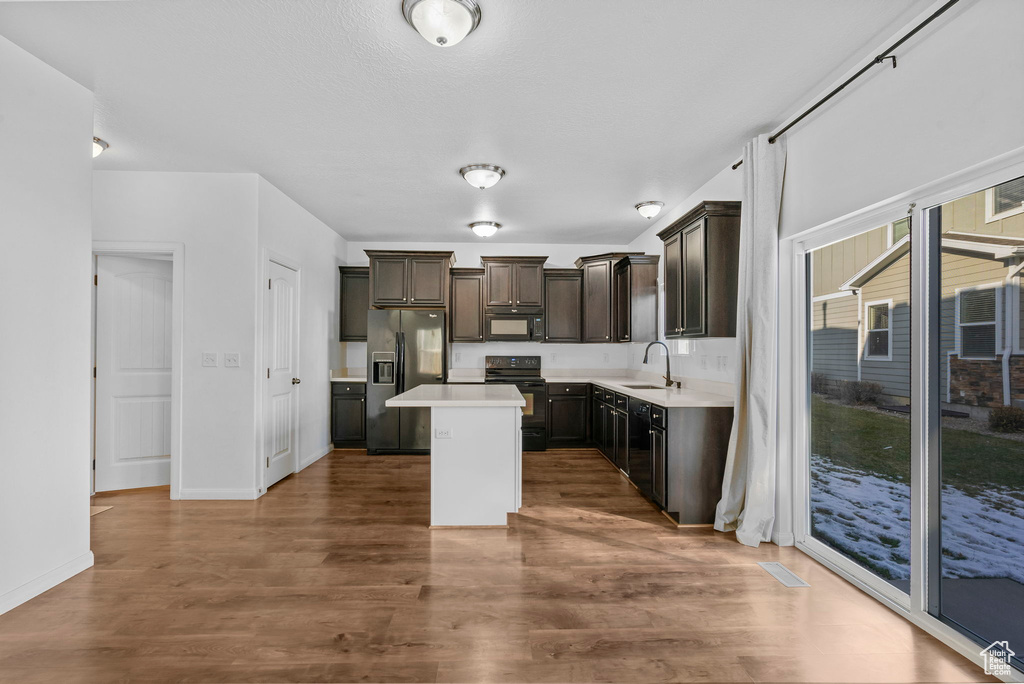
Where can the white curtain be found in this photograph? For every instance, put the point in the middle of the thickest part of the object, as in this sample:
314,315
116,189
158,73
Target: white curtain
748,491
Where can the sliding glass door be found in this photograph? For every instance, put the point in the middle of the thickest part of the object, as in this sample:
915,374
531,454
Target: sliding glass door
912,374
859,357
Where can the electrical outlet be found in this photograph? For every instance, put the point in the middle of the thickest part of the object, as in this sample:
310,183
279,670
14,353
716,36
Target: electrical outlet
209,359
232,360
703,362
553,357
723,363
606,358
456,357
442,433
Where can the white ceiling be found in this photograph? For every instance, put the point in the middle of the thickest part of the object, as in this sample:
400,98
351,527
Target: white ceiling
591,105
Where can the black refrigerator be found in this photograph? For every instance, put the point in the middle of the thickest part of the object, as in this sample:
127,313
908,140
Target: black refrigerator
405,348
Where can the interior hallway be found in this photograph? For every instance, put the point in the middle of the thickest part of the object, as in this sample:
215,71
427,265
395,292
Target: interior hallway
334,576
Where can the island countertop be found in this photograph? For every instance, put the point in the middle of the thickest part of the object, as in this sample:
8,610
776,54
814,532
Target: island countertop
459,395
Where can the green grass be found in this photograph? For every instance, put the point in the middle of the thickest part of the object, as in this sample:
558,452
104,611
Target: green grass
880,444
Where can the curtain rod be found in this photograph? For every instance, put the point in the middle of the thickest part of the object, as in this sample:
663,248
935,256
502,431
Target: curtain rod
886,54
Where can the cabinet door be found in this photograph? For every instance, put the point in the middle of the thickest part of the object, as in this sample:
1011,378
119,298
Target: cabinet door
658,464
567,419
673,286
597,302
608,423
622,310
428,279
499,284
563,317
348,419
621,441
529,285
694,280
596,423
355,300
390,281
467,308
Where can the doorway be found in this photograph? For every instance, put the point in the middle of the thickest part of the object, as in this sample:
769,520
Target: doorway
137,314
281,361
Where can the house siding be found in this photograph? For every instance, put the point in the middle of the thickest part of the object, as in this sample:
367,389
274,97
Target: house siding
967,215
894,376
834,264
834,325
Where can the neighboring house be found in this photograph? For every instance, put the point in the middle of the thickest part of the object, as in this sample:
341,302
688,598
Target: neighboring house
861,312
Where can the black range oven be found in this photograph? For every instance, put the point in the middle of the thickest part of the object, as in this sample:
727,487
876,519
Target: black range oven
524,373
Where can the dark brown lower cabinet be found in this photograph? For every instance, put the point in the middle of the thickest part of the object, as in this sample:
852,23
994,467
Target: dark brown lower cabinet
658,465
621,450
348,414
568,406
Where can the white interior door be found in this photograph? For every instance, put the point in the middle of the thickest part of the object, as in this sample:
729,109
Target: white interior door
133,372
281,349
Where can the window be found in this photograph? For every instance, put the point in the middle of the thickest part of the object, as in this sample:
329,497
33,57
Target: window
879,330
977,316
900,229
1004,200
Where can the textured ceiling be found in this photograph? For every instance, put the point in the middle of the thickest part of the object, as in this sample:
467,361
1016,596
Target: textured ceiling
591,105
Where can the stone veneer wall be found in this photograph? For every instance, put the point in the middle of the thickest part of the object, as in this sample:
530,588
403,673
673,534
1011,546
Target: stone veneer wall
981,381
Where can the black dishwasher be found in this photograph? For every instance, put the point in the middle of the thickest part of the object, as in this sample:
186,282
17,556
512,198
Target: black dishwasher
640,446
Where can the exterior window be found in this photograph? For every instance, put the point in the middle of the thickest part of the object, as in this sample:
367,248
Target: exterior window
1005,200
900,229
978,312
879,318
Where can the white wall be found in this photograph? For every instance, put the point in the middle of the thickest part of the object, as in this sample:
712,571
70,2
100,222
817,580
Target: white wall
293,233
708,359
45,366
215,217
954,101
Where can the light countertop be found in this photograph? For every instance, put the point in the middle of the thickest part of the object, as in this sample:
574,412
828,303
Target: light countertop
668,398
459,395
348,379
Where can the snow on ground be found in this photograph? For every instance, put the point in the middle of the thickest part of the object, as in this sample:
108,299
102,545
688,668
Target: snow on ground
868,517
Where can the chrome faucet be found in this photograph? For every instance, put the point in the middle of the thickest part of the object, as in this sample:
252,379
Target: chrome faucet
668,362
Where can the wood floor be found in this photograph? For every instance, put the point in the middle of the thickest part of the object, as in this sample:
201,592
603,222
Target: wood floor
334,576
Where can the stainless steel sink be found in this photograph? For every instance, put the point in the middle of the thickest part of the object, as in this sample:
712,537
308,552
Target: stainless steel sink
646,387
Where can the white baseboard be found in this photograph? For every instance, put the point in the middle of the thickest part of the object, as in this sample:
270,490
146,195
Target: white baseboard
784,539
221,494
315,456
30,590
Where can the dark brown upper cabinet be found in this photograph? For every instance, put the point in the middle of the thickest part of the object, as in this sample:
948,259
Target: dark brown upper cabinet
701,271
514,282
412,279
636,298
467,305
598,296
563,304
355,300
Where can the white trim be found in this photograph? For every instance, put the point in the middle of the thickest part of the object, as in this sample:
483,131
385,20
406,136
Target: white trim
990,202
176,251
834,295
48,580
866,331
315,456
957,325
261,387
219,494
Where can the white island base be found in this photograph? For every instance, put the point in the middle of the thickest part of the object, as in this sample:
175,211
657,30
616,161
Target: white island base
475,452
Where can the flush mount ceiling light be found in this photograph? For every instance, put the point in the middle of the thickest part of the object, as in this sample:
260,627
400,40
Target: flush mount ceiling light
98,146
482,176
649,209
442,22
485,228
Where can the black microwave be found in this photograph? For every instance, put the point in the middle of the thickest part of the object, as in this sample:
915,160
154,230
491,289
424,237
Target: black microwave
514,327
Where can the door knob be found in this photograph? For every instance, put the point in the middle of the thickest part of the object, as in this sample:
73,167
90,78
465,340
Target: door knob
295,381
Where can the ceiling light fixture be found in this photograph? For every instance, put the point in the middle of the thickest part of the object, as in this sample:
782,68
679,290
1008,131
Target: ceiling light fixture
482,176
485,228
649,209
98,146
442,22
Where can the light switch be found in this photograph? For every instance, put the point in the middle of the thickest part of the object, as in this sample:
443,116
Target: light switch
442,433
231,360
209,359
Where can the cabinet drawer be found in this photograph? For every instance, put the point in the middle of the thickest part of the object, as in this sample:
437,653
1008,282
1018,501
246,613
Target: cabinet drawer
658,416
596,393
621,401
348,388
568,389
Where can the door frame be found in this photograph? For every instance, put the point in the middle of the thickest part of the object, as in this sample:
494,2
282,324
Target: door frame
794,390
176,252
262,388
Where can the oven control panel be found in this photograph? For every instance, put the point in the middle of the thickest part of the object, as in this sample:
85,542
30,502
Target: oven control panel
514,362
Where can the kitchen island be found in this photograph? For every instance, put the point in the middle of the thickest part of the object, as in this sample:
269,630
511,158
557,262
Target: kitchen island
475,452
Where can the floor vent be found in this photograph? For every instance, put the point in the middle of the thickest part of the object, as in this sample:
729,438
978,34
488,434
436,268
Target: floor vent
783,574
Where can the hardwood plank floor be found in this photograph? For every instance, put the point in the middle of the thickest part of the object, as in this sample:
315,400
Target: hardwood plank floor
333,576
